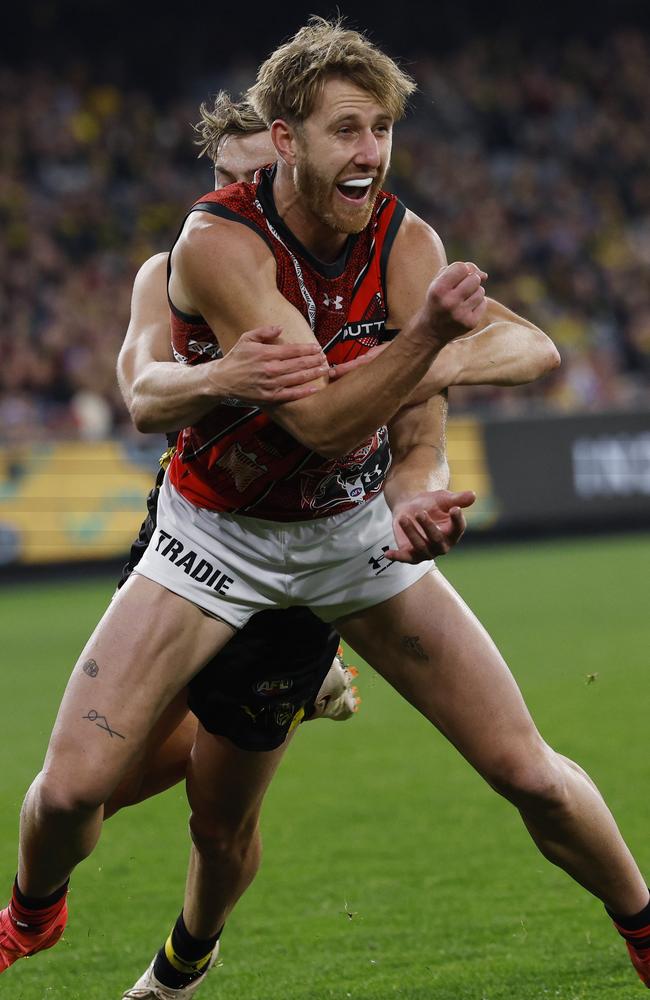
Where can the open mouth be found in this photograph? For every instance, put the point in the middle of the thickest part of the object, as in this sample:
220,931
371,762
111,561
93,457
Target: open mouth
356,189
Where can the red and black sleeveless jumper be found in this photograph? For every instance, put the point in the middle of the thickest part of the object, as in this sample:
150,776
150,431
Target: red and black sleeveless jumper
236,459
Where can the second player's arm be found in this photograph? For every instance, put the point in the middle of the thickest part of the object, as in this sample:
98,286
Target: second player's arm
506,350
161,394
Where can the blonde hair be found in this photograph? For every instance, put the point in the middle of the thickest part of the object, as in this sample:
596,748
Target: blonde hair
226,117
290,82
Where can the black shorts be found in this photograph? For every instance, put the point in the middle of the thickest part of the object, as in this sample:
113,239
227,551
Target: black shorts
266,678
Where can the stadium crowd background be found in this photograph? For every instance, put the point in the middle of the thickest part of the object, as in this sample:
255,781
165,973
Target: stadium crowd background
534,163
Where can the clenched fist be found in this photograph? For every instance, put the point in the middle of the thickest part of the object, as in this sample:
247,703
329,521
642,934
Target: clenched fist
455,301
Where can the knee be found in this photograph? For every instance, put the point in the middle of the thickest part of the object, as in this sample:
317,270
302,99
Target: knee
222,843
533,779
56,795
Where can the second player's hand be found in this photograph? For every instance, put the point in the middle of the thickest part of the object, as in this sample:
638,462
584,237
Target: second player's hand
429,525
258,370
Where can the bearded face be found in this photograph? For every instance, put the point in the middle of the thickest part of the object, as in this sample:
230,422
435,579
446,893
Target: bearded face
343,199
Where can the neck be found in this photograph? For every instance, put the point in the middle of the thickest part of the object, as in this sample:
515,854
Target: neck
320,239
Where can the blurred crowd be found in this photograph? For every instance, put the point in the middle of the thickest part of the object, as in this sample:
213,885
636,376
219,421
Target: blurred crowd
532,163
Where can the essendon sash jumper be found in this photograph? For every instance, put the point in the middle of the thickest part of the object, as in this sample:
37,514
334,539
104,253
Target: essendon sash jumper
236,459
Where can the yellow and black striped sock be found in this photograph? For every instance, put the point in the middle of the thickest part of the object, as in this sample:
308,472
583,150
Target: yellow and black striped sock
183,958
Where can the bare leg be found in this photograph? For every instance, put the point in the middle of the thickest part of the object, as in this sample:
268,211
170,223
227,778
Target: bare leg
144,650
165,758
431,648
225,787
164,761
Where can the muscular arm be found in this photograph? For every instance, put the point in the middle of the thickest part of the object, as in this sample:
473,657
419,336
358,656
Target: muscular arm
506,350
418,441
427,518
161,394
346,412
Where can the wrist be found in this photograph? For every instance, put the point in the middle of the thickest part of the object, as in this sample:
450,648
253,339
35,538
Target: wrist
212,380
447,367
422,335
400,492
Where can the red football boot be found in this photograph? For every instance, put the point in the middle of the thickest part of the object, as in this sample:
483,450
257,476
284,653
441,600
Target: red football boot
638,946
17,942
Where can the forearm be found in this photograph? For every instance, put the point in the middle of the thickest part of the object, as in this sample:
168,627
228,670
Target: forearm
418,441
168,395
507,351
345,413
422,469
503,353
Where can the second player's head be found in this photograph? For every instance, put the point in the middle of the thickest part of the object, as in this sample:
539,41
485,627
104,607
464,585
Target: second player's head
330,98
235,138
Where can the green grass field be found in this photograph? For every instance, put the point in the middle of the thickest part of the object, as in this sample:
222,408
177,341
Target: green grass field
390,870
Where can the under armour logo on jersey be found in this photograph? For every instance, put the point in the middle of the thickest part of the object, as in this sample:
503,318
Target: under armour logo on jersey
337,303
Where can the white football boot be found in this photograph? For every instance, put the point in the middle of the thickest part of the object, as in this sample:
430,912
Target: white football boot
148,987
338,698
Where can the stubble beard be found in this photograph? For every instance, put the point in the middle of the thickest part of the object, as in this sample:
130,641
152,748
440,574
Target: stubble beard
317,191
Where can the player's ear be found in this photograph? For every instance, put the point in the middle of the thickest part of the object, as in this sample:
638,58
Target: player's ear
283,137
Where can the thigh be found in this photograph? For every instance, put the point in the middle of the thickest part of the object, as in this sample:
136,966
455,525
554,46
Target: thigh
163,760
429,645
146,647
226,785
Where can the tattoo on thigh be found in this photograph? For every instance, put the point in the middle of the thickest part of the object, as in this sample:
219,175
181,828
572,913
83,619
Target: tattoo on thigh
90,667
412,644
102,722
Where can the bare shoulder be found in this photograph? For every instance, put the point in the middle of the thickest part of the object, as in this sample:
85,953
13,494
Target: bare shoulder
417,236
208,238
215,264
415,259
152,272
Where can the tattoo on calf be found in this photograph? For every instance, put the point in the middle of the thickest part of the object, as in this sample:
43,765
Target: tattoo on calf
102,722
90,667
412,644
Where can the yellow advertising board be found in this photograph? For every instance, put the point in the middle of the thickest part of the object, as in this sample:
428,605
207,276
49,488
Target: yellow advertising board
69,501
469,470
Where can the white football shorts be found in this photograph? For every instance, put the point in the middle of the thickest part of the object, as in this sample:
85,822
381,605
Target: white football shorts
232,566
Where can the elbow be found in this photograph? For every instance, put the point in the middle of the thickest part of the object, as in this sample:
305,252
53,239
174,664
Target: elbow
313,424
313,430
145,422
556,359
327,442
142,423
550,359
143,415
335,450
142,418
545,359
329,447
